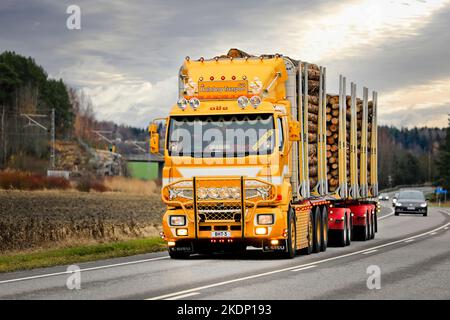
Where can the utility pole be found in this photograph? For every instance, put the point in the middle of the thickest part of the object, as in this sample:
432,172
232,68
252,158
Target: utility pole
53,139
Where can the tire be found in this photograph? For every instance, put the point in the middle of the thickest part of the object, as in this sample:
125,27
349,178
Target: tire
367,228
291,242
341,235
373,226
324,239
317,231
179,255
310,237
349,231
425,214
376,222
396,213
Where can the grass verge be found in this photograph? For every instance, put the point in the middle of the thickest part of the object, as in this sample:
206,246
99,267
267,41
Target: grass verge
53,257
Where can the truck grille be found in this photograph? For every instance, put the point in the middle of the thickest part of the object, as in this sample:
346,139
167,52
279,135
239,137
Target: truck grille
224,212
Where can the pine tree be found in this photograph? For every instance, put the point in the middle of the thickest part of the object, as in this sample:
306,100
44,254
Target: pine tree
443,162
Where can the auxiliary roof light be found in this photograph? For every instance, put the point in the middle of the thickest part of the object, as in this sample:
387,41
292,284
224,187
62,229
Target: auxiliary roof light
182,103
243,102
255,101
194,103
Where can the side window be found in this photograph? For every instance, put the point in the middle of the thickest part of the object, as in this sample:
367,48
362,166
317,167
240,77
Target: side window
280,134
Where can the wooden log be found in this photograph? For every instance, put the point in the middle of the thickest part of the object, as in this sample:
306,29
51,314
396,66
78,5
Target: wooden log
333,99
335,106
329,117
335,113
334,166
334,128
335,121
334,148
313,171
313,108
329,133
312,127
313,86
332,160
313,117
312,137
330,140
313,74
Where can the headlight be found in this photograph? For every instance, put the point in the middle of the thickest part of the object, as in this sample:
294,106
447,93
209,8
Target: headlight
243,102
182,103
180,193
255,101
235,193
423,205
398,204
202,193
182,232
177,220
194,103
224,193
265,219
213,193
261,231
262,192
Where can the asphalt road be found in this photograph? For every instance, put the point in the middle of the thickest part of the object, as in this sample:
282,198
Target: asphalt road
411,253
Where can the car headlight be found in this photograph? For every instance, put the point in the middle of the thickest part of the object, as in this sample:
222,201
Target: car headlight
213,193
218,193
265,218
177,220
224,193
398,204
262,192
235,193
423,205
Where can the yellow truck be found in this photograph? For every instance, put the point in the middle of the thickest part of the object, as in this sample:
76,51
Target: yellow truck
258,154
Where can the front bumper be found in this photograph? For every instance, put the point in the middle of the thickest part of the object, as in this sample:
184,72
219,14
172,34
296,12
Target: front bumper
411,209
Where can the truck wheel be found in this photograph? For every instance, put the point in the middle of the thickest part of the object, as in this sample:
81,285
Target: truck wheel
341,237
179,255
425,213
310,236
324,217
291,242
372,229
317,231
349,231
376,222
366,235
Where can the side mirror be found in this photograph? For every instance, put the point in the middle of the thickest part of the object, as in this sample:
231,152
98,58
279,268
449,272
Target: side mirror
154,138
294,130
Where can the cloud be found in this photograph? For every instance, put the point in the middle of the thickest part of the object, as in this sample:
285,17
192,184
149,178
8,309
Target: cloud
417,105
127,54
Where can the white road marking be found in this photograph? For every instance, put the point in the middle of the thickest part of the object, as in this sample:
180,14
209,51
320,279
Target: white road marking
410,240
218,284
369,252
433,233
83,270
295,270
183,296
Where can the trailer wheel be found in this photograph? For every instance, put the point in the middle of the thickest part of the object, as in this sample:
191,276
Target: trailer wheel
324,218
372,225
349,230
317,231
366,235
291,242
342,235
376,222
179,255
310,236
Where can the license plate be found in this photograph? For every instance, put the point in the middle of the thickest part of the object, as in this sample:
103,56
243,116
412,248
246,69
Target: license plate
411,208
220,234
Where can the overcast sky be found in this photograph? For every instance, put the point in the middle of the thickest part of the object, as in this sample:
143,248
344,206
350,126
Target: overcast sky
127,54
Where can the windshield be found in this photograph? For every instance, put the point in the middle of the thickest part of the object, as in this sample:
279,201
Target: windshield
221,135
411,195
